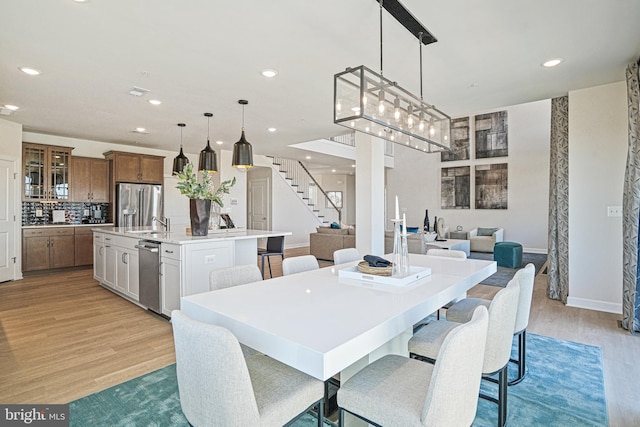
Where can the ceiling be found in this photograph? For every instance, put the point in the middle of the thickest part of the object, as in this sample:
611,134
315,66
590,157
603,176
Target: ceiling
202,56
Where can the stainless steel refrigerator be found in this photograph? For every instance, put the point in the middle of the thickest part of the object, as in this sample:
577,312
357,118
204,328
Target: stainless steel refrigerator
139,202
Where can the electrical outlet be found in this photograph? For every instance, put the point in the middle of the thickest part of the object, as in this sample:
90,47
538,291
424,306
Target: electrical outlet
614,210
209,259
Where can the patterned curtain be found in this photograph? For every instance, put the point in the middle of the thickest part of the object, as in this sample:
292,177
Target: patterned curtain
558,251
631,209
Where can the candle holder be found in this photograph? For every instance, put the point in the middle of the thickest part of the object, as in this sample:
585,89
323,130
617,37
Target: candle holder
400,257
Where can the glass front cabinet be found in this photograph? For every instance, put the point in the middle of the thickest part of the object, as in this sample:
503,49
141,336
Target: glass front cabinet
46,172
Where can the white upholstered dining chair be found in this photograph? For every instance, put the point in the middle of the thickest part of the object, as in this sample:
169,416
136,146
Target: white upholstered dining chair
451,253
425,343
398,391
462,311
233,276
218,386
299,264
346,255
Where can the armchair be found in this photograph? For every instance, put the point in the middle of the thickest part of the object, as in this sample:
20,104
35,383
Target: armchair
483,239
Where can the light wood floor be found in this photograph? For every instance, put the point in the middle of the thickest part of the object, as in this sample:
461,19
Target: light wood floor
62,337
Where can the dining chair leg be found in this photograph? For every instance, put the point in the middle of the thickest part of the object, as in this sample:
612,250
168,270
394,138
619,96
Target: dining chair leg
270,273
321,413
340,417
503,382
262,265
521,361
501,400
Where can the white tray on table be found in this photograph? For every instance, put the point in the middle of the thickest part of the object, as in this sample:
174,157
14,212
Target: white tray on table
415,273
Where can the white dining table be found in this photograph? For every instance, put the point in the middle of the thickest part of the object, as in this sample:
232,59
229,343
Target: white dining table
322,324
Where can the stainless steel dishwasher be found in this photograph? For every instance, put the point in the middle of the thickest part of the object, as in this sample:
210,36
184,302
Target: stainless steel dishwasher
149,274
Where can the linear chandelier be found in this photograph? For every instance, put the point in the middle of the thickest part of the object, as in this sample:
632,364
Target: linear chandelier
368,102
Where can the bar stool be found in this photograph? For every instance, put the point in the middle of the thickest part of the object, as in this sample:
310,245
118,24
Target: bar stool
275,246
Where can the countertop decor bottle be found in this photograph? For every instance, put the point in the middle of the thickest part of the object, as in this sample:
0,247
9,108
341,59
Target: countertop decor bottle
426,220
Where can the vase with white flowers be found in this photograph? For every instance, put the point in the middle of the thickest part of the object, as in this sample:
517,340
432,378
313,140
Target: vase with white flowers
201,192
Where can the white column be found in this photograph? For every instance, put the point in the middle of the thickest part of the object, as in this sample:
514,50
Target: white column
369,194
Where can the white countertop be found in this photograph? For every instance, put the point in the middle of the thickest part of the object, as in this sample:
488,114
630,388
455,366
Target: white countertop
180,237
321,324
66,224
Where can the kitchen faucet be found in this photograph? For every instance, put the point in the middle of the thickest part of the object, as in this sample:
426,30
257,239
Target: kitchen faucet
166,223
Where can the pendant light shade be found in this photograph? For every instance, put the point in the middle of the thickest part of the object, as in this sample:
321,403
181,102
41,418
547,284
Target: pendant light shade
181,160
242,151
208,161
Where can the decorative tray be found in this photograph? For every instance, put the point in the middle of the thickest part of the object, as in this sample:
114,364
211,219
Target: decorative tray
364,267
415,273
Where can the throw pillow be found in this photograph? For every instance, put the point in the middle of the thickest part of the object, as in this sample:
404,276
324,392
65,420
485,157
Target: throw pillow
486,231
335,225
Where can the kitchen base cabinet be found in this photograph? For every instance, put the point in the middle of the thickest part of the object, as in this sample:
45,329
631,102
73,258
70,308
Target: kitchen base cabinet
98,257
83,242
47,248
121,264
170,285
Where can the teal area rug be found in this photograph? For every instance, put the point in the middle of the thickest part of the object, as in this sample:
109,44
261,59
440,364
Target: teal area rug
504,274
564,387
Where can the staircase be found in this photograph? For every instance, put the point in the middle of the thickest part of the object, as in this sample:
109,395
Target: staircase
307,189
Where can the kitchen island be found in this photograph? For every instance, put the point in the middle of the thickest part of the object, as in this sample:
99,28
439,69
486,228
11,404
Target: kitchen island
184,261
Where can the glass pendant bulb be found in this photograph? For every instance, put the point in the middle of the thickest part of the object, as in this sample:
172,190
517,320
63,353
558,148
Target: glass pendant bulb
396,109
421,123
410,116
381,102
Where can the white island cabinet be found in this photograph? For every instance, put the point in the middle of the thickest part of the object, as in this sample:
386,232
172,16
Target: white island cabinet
185,262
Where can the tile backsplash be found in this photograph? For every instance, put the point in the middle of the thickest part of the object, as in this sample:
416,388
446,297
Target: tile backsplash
36,213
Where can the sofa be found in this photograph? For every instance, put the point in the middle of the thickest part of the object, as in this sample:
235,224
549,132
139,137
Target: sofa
327,240
415,241
482,239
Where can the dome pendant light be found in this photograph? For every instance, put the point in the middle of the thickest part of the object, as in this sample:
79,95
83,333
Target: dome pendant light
181,160
208,161
242,151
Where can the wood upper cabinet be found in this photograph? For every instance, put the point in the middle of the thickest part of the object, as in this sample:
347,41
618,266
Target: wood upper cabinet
45,171
89,180
131,167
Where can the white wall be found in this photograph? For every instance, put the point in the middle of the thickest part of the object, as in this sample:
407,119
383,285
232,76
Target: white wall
598,141
338,182
288,211
416,181
11,149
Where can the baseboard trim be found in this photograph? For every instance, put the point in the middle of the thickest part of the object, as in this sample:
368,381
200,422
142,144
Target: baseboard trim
534,250
596,305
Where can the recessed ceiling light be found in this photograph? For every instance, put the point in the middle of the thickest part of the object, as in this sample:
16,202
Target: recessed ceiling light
11,107
333,170
154,102
30,71
80,1
552,62
308,157
140,130
353,166
272,129
219,142
269,73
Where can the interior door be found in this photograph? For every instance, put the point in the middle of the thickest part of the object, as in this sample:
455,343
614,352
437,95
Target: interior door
260,203
7,223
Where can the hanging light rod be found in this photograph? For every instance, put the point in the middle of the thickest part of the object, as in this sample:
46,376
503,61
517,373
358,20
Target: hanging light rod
403,16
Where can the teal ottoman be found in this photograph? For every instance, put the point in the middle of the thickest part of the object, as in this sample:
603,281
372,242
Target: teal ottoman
508,254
